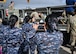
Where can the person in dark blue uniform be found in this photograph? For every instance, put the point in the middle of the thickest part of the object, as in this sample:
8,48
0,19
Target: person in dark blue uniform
29,32
0,26
3,28
5,23
1,35
27,27
48,42
71,9
13,36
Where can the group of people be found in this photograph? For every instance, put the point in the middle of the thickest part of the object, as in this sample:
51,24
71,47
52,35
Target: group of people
15,40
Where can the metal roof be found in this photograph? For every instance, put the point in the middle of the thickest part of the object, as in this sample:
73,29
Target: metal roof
23,4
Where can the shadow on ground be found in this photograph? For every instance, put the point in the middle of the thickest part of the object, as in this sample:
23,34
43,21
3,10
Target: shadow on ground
62,51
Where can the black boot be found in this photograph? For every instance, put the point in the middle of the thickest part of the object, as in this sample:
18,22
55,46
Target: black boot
72,49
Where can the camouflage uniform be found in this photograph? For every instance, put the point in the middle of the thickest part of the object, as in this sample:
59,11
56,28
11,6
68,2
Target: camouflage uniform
13,39
2,38
29,32
73,30
48,43
4,27
1,35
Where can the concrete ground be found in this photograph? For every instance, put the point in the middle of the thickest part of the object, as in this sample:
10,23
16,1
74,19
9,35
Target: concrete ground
65,50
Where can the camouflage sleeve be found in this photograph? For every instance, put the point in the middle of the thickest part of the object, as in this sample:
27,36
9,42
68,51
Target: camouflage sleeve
31,33
60,35
21,36
36,38
5,35
1,38
23,28
28,30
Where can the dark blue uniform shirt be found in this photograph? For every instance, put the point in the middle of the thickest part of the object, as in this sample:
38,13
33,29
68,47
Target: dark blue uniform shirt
29,32
48,43
13,39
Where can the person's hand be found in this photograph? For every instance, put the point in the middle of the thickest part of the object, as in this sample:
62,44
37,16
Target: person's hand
35,26
0,20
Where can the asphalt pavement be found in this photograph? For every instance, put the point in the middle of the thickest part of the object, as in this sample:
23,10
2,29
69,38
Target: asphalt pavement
65,50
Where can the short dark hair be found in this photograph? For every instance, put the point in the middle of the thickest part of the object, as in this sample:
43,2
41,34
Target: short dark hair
27,18
12,20
5,21
11,1
51,19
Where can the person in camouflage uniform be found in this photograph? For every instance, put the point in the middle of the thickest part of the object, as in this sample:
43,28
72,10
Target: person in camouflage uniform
48,42
1,36
3,27
5,23
29,32
73,32
0,31
13,36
